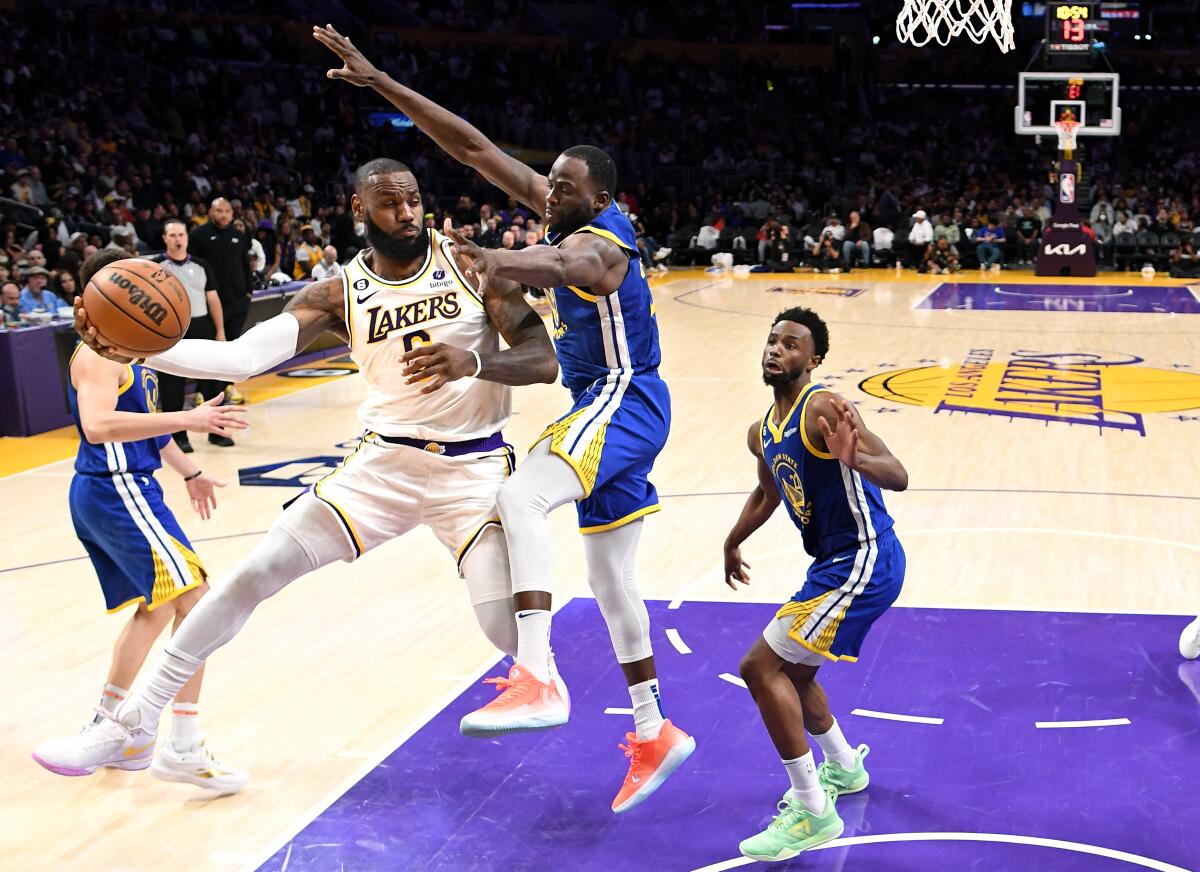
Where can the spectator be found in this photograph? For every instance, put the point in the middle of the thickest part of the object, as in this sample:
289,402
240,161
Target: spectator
833,226
508,241
122,240
919,239
327,267
829,255
708,236
285,245
942,257
781,256
35,295
531,238
227,253
988,250
64,286
1029,229
1184,262
1103,233
207,322
947,230
10,296
308,252
1125,224
858,238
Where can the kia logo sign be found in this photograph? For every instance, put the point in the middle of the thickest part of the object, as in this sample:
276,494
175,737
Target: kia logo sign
1065,250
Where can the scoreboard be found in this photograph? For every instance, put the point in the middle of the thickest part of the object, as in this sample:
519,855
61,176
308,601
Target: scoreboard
1070,28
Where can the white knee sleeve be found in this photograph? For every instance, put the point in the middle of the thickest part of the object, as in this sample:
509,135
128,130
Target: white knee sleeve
610,562
485,568
306,537
542,483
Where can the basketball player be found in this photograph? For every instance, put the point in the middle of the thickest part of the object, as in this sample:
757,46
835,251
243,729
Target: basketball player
432,452
814,452
599,455
1189,640
136,546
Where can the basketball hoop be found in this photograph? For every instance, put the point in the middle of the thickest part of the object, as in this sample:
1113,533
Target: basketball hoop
924,21
1067,131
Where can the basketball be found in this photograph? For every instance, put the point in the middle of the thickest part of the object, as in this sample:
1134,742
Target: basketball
138,306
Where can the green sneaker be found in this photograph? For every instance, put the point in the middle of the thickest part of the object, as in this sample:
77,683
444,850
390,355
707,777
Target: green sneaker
794,829
846,781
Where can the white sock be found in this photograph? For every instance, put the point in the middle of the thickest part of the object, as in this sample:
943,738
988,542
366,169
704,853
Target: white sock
647,709
185,725
805,787
533,642
111,697
835,747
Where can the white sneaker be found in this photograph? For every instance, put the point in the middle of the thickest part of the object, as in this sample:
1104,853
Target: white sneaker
197,766
1189,641
119,744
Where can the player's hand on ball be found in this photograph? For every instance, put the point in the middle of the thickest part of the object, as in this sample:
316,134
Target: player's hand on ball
478,259
92,339
735,568
202,491
356,69
212,417
842,437
437,363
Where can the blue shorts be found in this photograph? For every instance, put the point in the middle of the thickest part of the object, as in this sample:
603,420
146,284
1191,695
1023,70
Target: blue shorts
842,597
611,437
136,546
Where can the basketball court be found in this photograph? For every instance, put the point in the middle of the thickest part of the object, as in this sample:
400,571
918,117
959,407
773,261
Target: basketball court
1025,704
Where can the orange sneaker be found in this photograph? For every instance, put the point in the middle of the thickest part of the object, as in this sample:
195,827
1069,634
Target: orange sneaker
651,763
524,705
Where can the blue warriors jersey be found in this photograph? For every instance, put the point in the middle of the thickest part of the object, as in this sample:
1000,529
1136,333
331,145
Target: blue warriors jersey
138,393
595,336
834,507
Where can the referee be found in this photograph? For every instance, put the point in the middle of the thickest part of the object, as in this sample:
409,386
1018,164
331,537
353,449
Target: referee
227,252
207,322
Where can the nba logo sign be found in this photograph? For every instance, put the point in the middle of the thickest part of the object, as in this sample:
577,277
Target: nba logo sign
439,274
1066,188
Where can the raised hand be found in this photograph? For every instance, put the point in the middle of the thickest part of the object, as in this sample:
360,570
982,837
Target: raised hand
356,69
841,439
92,339
478,259
212,417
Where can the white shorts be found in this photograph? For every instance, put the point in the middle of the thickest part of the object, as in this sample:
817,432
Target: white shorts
777,636
381,491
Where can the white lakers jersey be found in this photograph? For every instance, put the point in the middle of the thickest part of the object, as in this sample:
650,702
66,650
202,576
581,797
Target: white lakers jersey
386,319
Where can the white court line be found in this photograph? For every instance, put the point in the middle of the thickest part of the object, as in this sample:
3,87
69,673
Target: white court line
677,641
889,716
618,711
1066,725
1001,838
732,679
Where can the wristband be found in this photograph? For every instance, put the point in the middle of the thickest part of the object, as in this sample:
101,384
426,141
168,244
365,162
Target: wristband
478,363
194,475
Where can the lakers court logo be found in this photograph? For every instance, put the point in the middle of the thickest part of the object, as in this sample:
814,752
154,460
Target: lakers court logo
1101,390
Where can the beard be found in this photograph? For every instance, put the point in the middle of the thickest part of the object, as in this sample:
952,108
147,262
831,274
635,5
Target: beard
779,379
393,248
566,224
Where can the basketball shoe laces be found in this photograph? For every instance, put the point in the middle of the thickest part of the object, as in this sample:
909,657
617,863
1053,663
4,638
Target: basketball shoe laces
514,691
98,734
634,752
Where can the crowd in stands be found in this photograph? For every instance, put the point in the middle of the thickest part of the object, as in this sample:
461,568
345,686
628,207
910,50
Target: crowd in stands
784,167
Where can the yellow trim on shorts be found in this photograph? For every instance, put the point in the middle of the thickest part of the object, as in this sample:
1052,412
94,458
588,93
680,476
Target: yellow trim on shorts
812,449
355,540
802,610
465,548
164,589
621,522
588,465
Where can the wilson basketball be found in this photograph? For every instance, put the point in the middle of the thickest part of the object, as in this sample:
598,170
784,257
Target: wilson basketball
138,306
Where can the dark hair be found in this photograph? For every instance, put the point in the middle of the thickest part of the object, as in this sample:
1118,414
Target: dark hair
380,166
99,261
174,219
602,169
811,320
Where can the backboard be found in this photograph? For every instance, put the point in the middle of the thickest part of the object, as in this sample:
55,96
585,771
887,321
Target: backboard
1044,98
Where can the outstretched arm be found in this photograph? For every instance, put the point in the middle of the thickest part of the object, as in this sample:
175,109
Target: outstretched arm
834,423
316,308
760,505
462,141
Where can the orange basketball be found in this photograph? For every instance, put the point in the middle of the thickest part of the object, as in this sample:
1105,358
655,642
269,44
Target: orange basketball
138,306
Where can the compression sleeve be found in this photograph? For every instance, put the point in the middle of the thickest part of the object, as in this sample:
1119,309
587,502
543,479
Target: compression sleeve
257,350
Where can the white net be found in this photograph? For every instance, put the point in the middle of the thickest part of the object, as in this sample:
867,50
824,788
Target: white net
924,21
1067,131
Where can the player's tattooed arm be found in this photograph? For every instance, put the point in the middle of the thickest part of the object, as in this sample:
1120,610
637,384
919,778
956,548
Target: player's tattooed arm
834,424
318,307
529,358
462,141
760,505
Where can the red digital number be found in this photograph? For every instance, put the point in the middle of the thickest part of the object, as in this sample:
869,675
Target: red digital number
1073,91
1073,30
